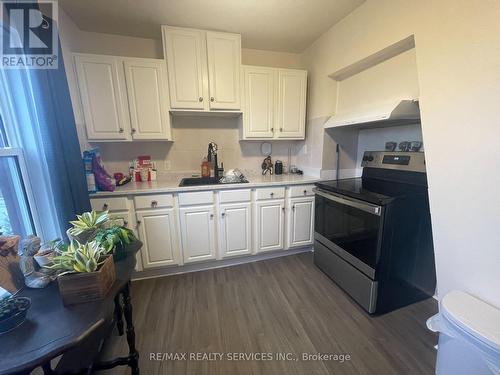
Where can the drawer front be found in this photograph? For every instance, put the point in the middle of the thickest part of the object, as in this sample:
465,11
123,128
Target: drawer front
153,201
198,197
109,204
233,196
270,193
301,191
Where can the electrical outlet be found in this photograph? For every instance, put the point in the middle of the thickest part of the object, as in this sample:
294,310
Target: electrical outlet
167,165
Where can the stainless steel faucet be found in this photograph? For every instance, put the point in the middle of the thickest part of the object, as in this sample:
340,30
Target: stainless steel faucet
212,156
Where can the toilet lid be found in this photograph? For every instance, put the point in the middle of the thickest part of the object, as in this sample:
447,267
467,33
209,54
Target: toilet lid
474,316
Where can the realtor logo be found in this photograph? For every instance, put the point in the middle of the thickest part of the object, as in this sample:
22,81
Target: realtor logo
29,38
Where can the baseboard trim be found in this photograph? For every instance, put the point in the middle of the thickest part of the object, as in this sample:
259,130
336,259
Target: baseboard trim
196,267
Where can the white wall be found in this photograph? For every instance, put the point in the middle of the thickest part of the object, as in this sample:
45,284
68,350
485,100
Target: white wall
191,134
459,73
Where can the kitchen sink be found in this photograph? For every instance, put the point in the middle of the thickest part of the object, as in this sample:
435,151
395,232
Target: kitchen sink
198,181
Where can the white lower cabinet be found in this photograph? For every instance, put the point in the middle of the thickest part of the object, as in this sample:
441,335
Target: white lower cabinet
197,233
269,225
158,233
300,222
235,229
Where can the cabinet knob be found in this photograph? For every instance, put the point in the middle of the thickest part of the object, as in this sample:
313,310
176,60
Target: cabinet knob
138,222
120,130
283,209
105,207
281,129
272,129
125,223
212,99
305,192
293,208
200,99
223,214
133,130
272,194
211,216
154,204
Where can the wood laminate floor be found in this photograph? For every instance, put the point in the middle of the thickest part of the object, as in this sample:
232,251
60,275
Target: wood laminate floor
283,305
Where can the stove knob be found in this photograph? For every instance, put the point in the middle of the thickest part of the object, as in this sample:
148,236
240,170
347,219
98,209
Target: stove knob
370,158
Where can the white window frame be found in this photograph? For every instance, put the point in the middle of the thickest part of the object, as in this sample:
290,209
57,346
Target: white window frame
18,154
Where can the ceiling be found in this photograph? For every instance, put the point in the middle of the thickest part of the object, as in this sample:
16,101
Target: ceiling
278,25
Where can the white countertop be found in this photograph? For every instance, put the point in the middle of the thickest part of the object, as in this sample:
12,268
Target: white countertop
170,184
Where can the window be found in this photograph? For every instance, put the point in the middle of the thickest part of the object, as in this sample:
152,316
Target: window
15,212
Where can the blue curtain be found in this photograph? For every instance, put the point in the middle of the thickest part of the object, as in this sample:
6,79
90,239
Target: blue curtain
46,131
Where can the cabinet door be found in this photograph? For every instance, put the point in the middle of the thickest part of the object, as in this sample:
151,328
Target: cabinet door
158,234
104,101
148,98
300,223
197,232
269,225
224,64
259,102
291,103
186,59
235,229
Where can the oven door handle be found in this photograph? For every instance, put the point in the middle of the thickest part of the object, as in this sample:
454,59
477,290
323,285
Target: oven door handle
364,206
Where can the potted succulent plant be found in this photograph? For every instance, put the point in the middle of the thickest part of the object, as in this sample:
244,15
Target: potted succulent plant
85,272
87,225
115,239
13,312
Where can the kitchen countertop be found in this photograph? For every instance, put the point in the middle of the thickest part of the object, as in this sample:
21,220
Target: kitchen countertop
171,185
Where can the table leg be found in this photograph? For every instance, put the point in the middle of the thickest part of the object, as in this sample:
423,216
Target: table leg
119,314
133,353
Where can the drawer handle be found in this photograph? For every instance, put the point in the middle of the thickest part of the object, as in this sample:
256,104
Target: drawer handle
154,204
105,207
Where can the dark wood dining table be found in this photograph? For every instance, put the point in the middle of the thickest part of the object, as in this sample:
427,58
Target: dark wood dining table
76,332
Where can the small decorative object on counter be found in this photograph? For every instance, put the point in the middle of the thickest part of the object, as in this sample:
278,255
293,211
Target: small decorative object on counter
85,272
278,167
13,312
267,166
33,278
390,146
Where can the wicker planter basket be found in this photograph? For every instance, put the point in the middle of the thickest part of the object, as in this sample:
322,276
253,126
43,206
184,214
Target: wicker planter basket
87,286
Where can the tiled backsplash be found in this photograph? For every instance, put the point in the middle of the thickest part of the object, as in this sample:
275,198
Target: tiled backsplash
191,137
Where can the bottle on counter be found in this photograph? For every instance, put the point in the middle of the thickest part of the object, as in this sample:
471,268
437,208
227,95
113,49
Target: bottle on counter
205,168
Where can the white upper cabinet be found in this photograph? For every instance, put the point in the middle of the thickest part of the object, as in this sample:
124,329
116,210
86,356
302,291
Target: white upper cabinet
259,102
123,98
148,98
291,103
203,68
104,98
274,103
185,52
224,62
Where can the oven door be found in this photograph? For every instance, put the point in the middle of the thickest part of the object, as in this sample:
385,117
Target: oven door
350,228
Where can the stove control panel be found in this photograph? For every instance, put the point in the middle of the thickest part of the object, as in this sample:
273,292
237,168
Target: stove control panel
406,161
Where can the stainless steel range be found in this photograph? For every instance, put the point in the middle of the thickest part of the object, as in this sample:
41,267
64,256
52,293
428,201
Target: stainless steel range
373,234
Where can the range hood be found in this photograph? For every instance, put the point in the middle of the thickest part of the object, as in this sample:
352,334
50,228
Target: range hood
398,112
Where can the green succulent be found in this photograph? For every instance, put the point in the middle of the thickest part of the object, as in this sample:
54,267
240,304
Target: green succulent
79,257
88,221
110,237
